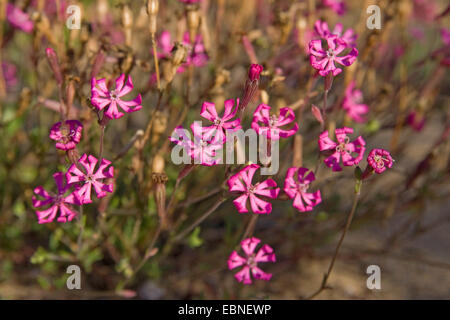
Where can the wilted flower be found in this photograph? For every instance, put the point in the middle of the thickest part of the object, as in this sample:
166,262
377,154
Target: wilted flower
352,103
202,148
67,135
101,97
90,178
322,30
297,188
250,263
58,201
323,60
379,160
18,19
343,148
271,123
242,182
219,129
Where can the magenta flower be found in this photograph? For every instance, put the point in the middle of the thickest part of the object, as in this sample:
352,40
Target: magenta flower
250,263
19,19
90,178
66,135
56,202
202,148
343,148
337,6
352,103
219,129
297,189
379,160
242,182
322,30
101,97
323,60
271,123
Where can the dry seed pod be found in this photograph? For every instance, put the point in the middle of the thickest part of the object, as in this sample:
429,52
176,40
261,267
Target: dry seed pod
193,21
127,22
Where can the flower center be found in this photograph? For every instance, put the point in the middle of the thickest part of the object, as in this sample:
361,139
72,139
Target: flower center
379,161
251,261
218,122
251,188
330,53
302,187
273,120
113,95
89,178
342,147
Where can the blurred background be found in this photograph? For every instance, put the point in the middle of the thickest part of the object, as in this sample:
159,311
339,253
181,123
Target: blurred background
402,223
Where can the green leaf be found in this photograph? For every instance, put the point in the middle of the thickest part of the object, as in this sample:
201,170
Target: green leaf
194,240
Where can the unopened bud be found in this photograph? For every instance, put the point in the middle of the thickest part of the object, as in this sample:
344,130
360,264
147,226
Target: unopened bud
54,64
254,72
317,114
160,180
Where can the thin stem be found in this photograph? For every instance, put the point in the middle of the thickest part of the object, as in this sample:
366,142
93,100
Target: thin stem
155,59
250,227
199,220
102,136
341,240
80,235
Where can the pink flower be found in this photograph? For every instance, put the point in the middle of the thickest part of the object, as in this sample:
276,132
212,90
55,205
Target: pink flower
202,148
344,148
101,97
296,189
337,6
90,178
197,55
271,123
352,103
242,182
219,129
379,160
66,135
324,60
254,72
56,201
19,19
322,30
250,262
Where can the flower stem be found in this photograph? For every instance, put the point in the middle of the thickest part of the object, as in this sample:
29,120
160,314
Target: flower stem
341,240
155,58
102,136
186,231
250,227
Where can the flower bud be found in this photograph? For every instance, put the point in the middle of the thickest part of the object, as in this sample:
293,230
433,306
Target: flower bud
254,72
54,64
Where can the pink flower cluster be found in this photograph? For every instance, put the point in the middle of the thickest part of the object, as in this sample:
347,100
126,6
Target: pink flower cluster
84,174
